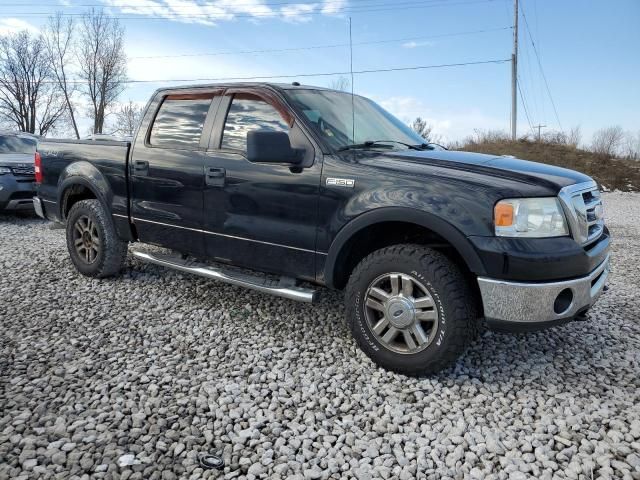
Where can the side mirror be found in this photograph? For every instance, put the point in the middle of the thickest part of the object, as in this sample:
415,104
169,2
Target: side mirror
266,146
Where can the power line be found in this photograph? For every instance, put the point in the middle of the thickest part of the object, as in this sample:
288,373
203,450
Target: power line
317,74
250,3
275,14
524,104
529,80
316,47
544,77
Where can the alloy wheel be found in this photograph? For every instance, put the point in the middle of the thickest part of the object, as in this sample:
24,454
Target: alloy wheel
86,239
401,313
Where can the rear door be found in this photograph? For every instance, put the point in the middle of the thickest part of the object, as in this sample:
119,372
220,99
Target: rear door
167,170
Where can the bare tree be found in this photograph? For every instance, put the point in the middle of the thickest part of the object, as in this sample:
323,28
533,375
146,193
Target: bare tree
127,118
574,136
341,83
554,137
29,96
607,141
58,39
103,64
631,147
422,128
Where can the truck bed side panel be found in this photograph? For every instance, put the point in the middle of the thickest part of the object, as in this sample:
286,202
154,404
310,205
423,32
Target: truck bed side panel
100,166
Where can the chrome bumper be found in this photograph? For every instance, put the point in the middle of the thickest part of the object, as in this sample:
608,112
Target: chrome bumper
535,303
37,206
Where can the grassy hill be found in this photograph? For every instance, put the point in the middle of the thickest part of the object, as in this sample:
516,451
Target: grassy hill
610,173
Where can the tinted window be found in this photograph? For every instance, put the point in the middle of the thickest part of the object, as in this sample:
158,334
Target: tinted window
248,112
179,122
11,144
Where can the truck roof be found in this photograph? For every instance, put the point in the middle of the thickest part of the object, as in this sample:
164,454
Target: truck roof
274,85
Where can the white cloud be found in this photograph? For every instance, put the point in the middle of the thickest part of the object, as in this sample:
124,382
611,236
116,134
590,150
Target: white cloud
15,25
333,7
298,12
413,44
211,12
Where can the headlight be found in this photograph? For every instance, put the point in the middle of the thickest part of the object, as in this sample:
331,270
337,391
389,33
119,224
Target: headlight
530,217
4,170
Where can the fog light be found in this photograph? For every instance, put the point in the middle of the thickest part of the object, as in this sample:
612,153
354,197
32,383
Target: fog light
563,301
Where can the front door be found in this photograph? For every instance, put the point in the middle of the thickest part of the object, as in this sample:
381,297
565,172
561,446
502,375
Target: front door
261,216
167,172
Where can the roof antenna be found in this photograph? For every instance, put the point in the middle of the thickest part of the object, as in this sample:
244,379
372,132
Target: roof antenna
353,109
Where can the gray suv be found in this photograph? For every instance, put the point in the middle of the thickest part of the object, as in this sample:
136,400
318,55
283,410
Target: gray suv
17,152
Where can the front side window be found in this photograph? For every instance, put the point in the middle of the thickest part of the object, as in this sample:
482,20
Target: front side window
249,112
180,121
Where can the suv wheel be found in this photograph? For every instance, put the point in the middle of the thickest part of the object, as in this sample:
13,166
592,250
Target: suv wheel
94,246
410,309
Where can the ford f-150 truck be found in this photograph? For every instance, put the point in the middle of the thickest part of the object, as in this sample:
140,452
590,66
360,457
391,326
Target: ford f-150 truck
285,188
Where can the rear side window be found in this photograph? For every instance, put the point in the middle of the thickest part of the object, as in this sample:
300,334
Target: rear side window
180,121
249,112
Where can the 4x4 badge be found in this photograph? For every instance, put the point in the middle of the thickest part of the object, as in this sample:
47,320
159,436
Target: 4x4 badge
341,182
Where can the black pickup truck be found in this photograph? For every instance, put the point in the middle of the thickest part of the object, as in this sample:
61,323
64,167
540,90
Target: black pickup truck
283,188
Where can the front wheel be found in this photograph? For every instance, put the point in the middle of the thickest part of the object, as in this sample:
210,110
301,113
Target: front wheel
410,309
92,241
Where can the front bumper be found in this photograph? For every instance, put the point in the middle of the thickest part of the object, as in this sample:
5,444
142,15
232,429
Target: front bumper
529,306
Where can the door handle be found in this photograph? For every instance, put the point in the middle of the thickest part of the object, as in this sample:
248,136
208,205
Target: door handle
214,177
141,167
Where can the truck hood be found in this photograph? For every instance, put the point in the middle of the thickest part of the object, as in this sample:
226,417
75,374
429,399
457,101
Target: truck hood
16,159
414,161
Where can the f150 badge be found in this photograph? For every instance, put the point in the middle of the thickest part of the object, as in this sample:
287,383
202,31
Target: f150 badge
340,182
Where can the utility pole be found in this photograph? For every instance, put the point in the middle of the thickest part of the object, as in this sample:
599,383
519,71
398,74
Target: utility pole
539,127
514,74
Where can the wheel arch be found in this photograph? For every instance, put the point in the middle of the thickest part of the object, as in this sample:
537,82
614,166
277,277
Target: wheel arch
412,222
80,181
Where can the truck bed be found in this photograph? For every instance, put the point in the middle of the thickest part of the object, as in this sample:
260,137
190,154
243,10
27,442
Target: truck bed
104,161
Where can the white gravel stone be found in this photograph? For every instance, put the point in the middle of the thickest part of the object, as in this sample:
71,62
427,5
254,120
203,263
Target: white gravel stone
133,377
127,460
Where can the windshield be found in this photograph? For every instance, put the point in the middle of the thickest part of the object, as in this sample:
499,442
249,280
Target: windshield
330,114
12,144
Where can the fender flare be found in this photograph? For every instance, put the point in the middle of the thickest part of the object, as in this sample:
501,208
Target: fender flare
407,215
87,175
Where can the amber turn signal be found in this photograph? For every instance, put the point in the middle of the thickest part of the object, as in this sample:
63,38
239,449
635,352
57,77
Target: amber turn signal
503,213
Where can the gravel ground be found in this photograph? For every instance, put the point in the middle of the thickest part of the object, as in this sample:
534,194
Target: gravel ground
133,377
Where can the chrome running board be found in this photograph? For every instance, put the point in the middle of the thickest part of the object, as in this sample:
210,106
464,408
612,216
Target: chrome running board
262,284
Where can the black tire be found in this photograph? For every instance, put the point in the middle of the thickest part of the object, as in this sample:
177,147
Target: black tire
451,298
107,253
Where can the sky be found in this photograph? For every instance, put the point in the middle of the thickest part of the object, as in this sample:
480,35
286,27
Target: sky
583,71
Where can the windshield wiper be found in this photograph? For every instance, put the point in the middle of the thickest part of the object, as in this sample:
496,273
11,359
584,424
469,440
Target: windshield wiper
378,143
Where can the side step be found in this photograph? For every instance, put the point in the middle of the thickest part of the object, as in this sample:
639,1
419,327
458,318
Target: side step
255,282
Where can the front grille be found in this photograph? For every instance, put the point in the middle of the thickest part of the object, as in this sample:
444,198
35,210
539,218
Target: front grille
583,207
23,171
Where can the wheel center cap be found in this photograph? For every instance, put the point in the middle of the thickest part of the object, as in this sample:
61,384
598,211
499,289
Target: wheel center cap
400,312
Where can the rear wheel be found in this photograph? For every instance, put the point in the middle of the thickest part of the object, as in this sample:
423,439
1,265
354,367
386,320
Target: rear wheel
410,309
93,244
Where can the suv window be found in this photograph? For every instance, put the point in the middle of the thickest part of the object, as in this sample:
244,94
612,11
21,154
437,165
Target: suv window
179,121
249,112
13,144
